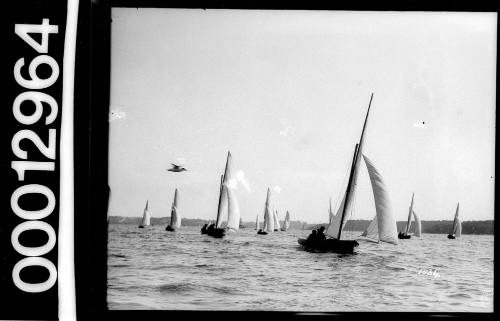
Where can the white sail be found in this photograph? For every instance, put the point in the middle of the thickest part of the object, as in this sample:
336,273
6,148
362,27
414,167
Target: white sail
286,223
385,224
175,218
458,229
417,224
146,216
233,211
228,203
333,228
330,213
276,221
268,216
257,223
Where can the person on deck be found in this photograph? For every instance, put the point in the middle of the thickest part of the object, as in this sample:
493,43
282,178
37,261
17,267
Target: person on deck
312,237
321,235
211,227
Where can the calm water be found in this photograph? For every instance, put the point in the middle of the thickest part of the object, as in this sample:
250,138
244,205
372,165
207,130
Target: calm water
155,269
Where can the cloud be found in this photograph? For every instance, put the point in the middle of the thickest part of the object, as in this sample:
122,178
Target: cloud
240,177
277,189
116,114
285,131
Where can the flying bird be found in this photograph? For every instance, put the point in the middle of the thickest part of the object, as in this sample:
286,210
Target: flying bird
176,168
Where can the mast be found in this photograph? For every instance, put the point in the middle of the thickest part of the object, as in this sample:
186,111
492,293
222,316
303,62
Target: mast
409,215
455,220
355,162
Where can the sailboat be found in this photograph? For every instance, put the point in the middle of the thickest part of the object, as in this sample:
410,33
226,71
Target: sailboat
146,217
456,229
268,216
286,223
277,226
257,223
382,226
405,235
228,204
241,223
175,218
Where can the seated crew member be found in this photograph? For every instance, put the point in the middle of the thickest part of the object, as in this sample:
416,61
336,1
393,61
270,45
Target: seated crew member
211,227
312,237
321,235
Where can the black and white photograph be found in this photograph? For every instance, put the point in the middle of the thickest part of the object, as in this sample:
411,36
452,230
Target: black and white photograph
301,160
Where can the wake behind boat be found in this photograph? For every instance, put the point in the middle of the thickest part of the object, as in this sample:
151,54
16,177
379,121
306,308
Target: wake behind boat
175,218
382,226
228,204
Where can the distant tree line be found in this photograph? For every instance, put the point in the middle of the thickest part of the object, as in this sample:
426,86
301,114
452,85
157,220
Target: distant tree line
437,227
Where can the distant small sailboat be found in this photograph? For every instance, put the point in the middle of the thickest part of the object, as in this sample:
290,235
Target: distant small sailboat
228,204
277,226
286,223
268,225
241,223
257,223
175,218
405,235
146,217
456,229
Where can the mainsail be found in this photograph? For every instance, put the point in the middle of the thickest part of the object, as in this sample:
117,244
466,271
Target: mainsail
276,221
175,219
146,216
457,225
409,215
286,223
228,203
417,224
339,221
383,226
268,216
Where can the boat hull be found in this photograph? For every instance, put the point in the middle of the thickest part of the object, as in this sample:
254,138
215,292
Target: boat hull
329,245
216,232
451,237
403,236
169,228
262,233
141,226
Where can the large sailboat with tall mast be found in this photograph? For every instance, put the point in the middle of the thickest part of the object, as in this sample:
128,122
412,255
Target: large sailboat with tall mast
175,218
383,225
146,216
456,228
228,204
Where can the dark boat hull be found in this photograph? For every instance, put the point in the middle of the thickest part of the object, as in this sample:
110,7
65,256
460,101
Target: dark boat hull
203,230
217,232
451,237
330,245
262,233
403,236
169,228
140,226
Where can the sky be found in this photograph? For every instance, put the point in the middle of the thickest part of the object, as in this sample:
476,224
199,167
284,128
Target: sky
287,92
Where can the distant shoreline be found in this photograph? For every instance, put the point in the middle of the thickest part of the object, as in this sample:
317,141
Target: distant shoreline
431,227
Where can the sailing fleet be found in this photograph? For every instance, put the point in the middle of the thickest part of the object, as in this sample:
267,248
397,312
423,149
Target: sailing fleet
382,228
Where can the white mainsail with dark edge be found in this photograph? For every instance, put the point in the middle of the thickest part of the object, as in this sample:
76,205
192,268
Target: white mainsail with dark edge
175,218
228,203
268,216
146,216
456,229
418,225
